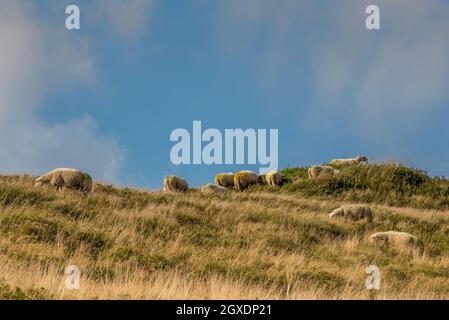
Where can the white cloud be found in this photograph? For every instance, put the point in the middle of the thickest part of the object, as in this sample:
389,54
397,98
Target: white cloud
386,86
399,73
401,69
125,19
37,59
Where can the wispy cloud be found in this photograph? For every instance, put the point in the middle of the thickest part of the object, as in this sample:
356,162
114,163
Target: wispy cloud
403,66
126,20
398,74
37,59
383,84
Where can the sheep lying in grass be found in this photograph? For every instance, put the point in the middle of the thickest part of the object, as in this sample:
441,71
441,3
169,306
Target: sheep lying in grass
274,178
354,212
319,171
396,238
225,180
350,161
66,178
244,179
175,184
211,188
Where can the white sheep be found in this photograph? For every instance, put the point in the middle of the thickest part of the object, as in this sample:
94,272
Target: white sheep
354,212
211,188
274,178
225,180
349,161
175,184
244,179
396,238
66,178
318,171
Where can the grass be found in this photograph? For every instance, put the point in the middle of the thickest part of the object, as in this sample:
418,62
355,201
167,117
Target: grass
260,244
391,184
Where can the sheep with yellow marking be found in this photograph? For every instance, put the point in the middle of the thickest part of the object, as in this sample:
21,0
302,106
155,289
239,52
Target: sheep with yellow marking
274,178
245,179
175,184
225,180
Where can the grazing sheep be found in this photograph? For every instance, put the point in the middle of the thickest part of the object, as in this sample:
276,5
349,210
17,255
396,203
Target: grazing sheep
350,161
319,171
274,178
175,184
354,212
66,178
211,188
244,179
225,180
396,238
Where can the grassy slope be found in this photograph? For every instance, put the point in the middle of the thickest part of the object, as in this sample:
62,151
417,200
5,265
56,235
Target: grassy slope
262,243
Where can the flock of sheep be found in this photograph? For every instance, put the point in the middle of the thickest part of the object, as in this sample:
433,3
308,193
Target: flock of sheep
78,180
316,171
357,212
244,179
223,181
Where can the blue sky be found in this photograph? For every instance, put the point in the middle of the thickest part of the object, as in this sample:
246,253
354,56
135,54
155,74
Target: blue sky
105,98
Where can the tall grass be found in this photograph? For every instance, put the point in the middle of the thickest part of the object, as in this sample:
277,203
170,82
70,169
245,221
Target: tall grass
260,244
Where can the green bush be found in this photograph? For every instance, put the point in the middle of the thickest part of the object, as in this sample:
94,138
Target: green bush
384,183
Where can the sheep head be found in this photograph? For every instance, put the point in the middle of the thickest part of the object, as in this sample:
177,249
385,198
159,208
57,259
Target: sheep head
336,213
38,182
378,237
362,158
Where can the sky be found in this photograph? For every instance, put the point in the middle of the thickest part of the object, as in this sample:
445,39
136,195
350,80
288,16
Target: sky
105,98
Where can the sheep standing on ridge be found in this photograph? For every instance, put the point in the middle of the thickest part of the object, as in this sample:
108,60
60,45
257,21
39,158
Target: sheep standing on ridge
225,180
175,184
274,178
354,212
244,179
66,178
317,171
350,161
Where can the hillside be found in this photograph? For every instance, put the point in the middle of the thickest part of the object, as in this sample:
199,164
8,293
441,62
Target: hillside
262,243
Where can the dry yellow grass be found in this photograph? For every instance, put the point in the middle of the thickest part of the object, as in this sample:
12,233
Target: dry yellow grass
133,244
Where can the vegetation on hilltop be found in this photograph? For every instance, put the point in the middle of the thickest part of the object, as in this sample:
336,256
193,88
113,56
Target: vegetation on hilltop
262,243
379,183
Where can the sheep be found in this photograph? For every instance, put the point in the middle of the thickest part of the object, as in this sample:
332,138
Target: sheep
211,188
396,238
274,178
244,179
350,161
66,178
225,180
175,184
354,212
262,179
317,171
